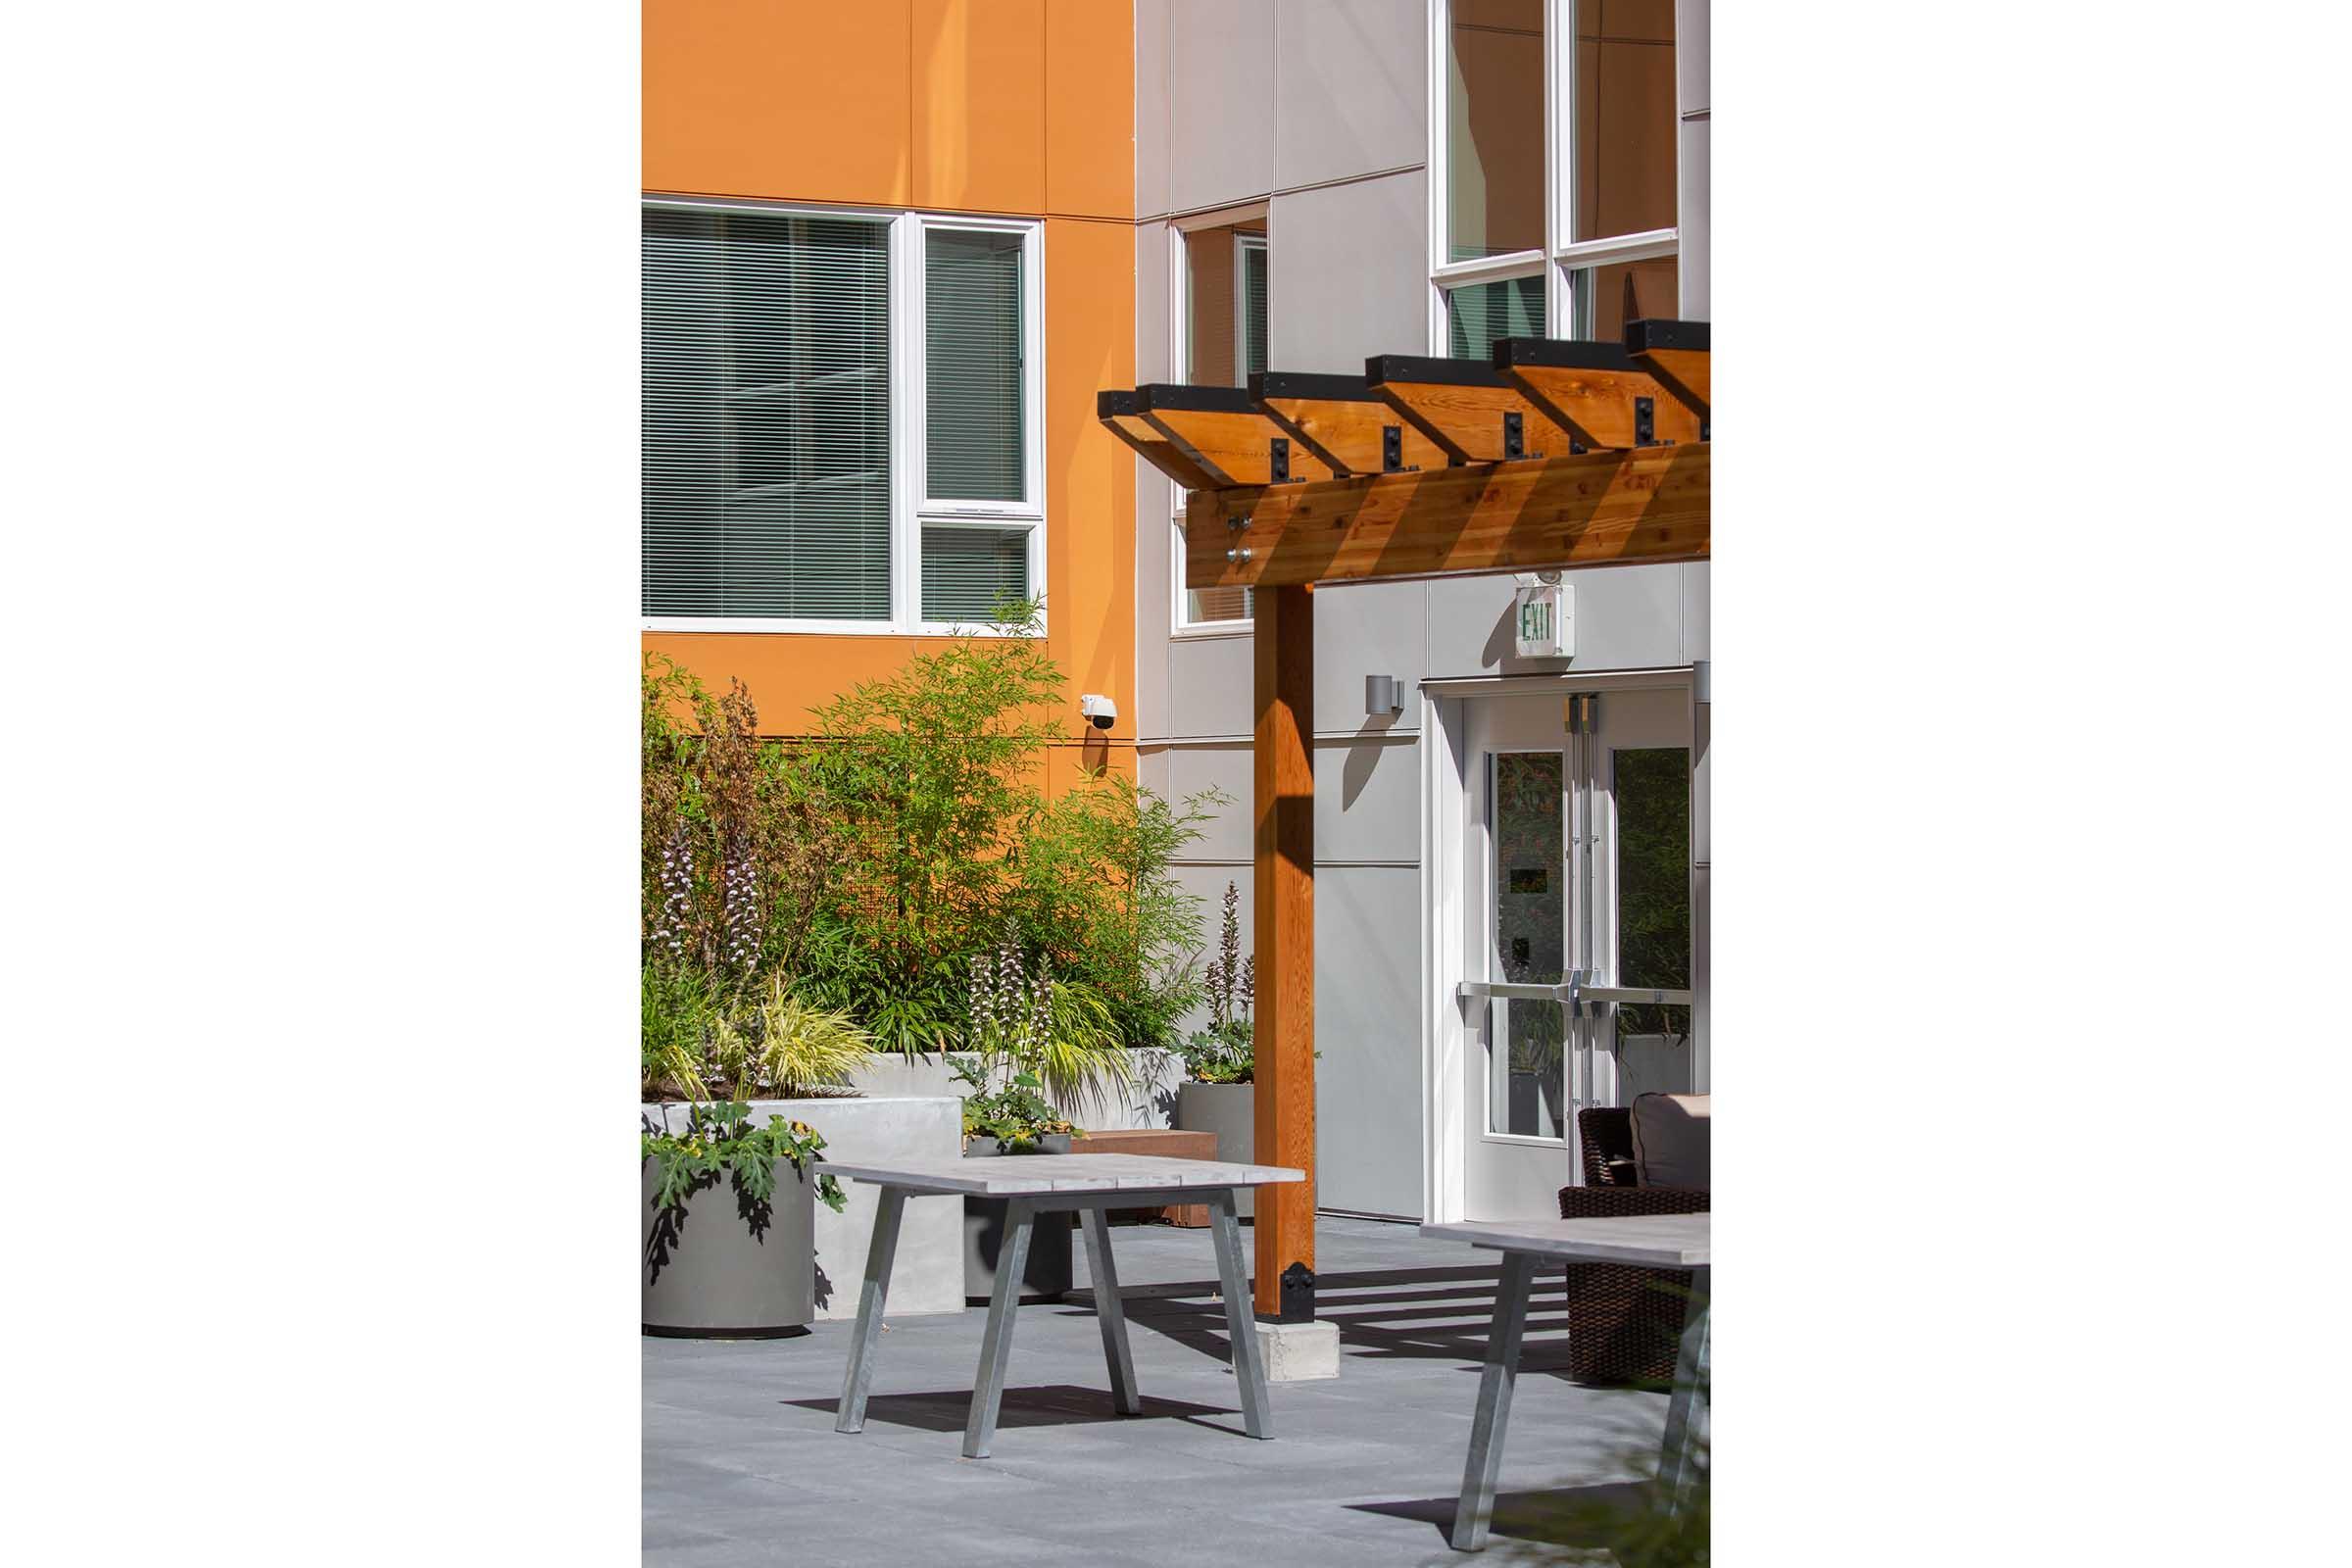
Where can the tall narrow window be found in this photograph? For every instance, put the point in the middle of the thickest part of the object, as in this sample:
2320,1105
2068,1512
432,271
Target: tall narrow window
765,416
1249,256
1625,120
1225,277
972,355
1494,128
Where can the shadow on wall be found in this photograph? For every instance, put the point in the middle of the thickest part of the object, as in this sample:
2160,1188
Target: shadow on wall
1501,652
1363,757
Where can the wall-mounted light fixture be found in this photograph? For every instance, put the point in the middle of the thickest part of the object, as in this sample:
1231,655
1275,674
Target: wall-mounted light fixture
1384,696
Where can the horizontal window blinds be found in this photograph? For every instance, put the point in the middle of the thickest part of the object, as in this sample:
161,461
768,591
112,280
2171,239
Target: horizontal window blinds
969,572
1254,309
973,437
1477,315
766,416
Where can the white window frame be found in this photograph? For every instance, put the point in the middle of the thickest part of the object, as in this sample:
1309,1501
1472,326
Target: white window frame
1561,256
1180,360
910,509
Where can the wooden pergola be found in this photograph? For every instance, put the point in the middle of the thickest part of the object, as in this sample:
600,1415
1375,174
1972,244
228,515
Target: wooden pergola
1559,454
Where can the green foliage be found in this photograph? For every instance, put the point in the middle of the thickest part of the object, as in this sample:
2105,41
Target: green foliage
1015,1114
1096,892
778,1044
1225,1051
719,1139
860,873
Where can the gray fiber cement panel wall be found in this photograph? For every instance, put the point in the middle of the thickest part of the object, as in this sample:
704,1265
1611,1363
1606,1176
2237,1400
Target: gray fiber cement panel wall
1346,277
1351,93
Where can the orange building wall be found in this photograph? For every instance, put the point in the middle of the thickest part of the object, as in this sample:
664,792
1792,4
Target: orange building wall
1020,108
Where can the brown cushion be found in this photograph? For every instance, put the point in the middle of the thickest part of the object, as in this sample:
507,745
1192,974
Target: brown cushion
1670,1140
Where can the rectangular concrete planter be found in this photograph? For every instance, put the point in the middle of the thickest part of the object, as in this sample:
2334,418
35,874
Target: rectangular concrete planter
703,1271
1230,1110
927,1275
1150,1103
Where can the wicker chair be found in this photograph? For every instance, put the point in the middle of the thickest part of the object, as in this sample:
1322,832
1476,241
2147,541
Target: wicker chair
1624,1323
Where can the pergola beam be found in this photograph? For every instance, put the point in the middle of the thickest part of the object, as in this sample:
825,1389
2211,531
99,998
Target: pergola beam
1596,391
1121,413
1676,353
1227,436
1604,509
1344,422
1467,409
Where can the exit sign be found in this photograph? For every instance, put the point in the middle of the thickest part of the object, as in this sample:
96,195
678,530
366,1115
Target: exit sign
1547,620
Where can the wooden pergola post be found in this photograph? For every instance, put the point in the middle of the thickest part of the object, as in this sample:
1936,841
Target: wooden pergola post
1283,892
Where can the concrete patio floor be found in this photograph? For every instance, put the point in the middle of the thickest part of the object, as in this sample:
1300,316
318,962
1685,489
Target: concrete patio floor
741,1464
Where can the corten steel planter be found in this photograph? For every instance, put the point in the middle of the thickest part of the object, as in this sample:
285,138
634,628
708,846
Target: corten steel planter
705,1273
1230,1110
1046,1277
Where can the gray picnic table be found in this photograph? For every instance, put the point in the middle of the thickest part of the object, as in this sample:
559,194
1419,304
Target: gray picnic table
1035,1184
1658,1241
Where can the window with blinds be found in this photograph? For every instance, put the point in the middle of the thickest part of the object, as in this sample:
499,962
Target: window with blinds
766,415
972,429
1252,259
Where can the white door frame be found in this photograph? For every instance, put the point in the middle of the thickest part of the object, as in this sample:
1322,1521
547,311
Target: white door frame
1445,784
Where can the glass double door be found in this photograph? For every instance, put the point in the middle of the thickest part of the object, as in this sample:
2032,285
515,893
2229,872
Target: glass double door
1578,986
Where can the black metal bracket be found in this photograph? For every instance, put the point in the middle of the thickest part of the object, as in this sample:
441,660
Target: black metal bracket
1298,1294
1392,451
1278,460
1645,422
1514,437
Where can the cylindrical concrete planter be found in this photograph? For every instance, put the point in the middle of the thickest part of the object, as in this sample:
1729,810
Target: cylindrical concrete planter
929,1273
1230,1110
1047,1276
708,1269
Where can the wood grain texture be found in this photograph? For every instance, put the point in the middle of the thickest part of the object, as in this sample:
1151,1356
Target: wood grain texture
1347,435
1604,508
1683,372
1282,889
1236,448
1159,452
1466,422
1596,407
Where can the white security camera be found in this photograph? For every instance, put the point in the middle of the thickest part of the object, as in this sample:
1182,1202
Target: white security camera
1101,711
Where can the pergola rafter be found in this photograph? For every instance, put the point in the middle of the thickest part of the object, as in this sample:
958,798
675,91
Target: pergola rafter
1557,455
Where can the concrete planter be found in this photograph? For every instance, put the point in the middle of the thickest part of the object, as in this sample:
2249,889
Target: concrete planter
714,1268
1046,1275
1150,1103
1230,1110
927,1275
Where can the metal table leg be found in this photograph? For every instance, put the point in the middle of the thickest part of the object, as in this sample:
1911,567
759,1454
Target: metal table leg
1110,1313
995,1347
878,1256
1241,1319
1477,1505
1687,1410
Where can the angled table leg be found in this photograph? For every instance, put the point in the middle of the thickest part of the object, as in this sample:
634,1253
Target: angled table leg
1110,1313
996,1347
1241,1318
1477,1505
1687,1409
863,1339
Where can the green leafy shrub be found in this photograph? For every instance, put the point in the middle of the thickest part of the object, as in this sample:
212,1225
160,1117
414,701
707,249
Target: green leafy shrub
719,1141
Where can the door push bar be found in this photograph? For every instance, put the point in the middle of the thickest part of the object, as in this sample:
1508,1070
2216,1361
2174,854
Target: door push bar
1573,992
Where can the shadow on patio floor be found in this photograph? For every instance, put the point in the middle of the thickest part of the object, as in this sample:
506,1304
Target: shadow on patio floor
1049,1405
1571,1516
